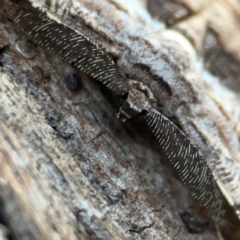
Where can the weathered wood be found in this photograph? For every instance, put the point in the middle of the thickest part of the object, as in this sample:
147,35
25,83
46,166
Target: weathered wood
69,168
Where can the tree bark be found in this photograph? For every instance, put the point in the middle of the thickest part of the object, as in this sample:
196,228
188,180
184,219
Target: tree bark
69,169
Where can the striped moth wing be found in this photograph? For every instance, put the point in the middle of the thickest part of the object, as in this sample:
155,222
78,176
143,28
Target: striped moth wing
192,170
188,163
71,46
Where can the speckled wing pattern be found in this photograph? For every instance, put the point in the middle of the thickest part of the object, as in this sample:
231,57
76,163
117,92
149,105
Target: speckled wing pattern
71,46
188,163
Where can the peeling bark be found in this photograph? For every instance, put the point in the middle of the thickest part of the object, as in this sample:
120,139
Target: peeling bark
69,168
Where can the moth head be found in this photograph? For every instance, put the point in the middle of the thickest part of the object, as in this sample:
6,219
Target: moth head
139,99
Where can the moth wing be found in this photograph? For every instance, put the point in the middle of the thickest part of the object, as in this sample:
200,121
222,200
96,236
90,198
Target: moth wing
188,163
71,46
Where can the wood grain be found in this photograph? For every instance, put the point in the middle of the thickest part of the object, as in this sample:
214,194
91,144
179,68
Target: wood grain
69,168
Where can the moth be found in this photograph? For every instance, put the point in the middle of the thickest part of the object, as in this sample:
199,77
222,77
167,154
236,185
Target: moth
138,98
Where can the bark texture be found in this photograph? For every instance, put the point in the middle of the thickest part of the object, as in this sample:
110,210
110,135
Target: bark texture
69,169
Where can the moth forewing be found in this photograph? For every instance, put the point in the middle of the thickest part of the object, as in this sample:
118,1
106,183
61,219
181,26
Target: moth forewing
189,164
71,46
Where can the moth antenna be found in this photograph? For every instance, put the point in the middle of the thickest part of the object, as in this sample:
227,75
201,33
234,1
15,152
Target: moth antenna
71,46
189,164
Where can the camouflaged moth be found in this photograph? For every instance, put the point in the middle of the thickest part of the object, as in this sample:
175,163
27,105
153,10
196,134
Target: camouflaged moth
79,51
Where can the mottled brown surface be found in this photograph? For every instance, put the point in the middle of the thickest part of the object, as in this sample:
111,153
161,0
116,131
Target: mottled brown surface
69,168
213,29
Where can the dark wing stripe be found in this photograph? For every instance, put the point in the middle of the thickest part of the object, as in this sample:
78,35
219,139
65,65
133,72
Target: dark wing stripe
189,164
71,46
